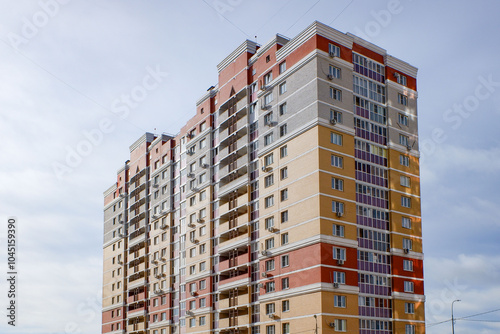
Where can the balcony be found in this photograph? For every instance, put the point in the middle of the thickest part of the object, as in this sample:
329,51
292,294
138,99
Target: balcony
241,320
240,222
224,117
240,301
234,262
233,182
136,297
240,242
242,280
137,313
241,161
136,328
239,131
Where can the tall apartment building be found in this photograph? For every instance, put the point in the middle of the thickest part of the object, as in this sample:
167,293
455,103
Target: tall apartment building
290,203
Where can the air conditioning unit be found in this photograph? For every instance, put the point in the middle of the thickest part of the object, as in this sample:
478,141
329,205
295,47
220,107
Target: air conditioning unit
336,285
333,121
194,293
204,165
266,168
396,74
332,54
158,275
189,313
163,226
264,252
271,315
331,324
406,250
191,225
408,147
154,261
122,222
340,262
123,195
190,152
263,87
264,106
195,241
330,77
271,229
158,291
264,274
120,262
190,175
199,220
261,285
339,214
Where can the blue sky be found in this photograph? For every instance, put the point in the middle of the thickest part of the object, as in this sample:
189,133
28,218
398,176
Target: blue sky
66,70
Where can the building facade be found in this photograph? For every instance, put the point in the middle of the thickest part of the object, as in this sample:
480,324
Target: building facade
289,203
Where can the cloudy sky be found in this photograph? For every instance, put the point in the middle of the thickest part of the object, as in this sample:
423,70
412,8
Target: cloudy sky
67,69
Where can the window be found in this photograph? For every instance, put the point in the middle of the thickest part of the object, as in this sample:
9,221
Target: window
284,216
282,109
268,118
269,180
282,88
283,130
407,244
192,270
192,305
409,329
285,261
284,173
283,151
333,50
408,286
270,308
340,325
268,139
404,160
339,301
339,253
410,308
408,265
402,99
192,287
203,230
203,126
203,284
268,159
336,116
192,201
338,230
192,322
203,213
334,72
203,177
192,252
269,201
268,99
337,161
270,287
337,184
401,79
284,238
268,78
336,94
203,321
282,66
269,222
339,277
269,265
202,249
404,140
402,119
269,243
203,195
338,207
336,138
405,202
406,222
203,143
285,306
284,195
286,328
404,181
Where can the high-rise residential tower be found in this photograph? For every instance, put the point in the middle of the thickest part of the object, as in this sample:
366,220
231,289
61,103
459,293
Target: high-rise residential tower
290,203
